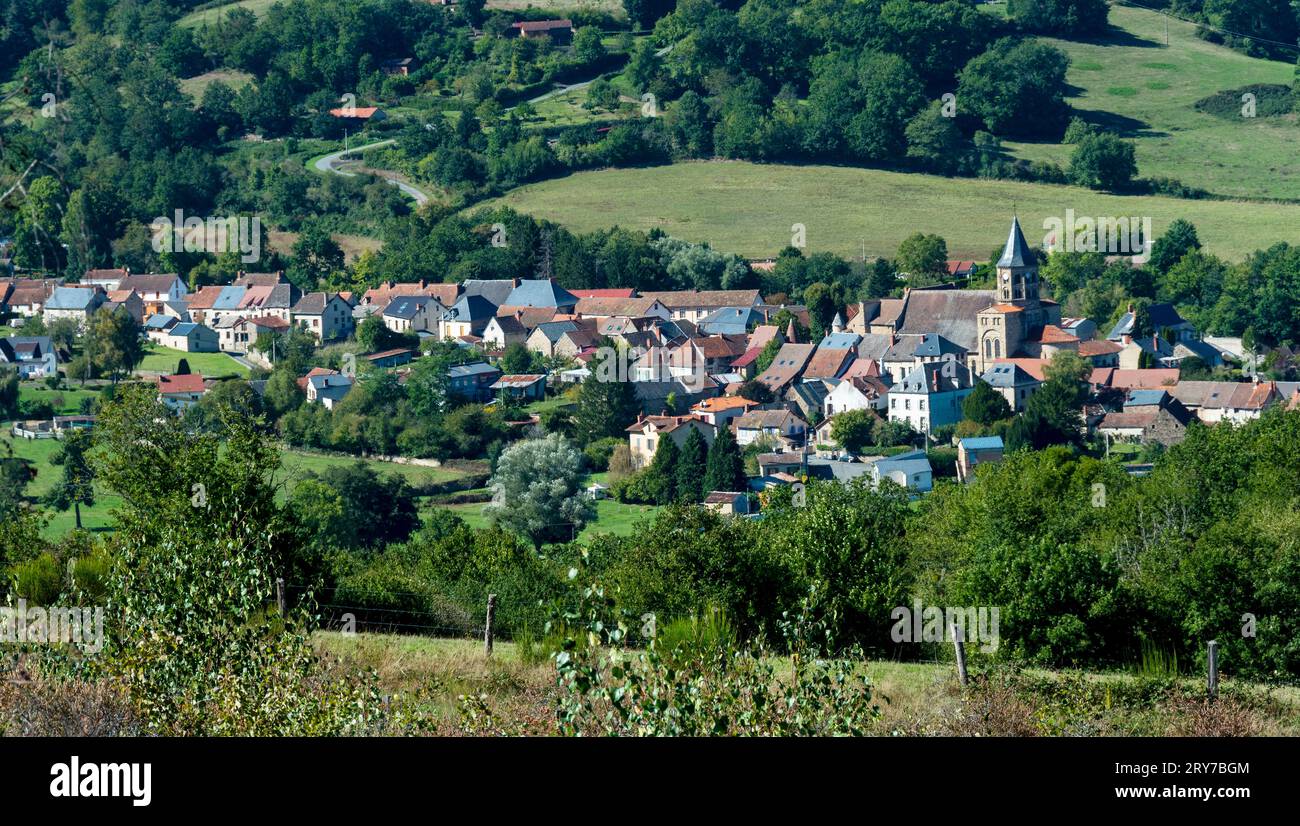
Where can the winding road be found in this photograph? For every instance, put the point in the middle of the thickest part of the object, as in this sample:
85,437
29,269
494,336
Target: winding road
330,162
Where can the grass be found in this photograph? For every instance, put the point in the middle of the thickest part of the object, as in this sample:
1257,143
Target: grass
159,359
71,397
913,696
1133,84
38,451
352,245
612,517
295,463
749,208
611,7
195,86
198,18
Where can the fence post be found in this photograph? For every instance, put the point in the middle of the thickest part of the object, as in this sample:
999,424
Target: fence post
960,645
1212,661
487,626
279,594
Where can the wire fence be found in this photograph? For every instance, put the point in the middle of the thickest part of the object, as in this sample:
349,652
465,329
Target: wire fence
336,615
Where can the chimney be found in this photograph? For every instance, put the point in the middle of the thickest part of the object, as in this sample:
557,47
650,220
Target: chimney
514,281
1127,339
1155,343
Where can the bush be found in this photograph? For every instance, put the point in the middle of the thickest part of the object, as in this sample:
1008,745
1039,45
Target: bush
38,580
388,594
599,452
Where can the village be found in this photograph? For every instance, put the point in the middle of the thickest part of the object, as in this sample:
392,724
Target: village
880,395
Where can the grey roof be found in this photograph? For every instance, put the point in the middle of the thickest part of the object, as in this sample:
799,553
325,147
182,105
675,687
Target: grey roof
542,292
836,469
496,291
183,329
914,461
1018,253
729,320
282,297
229,298
159,321
873,346
406,306
472,308
1144,398
555,330
71,298
314,303
1007,375
1162,315
933,345
477,368
812,393
44,344
952,314
839,341
929,378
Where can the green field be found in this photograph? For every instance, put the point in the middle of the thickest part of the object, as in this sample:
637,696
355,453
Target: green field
159,359
749,208
1136,86
47,475
67,402
611,517
198,18
295,463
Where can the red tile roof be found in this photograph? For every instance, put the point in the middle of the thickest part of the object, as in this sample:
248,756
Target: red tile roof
191,383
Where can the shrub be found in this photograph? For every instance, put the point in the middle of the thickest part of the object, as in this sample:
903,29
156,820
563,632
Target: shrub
38,580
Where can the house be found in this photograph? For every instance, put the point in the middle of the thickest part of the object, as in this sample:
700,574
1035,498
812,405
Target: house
644,435
1049,340
525,387
779,425
1148,379
829,362
268,300
1164,319
929,397
396,357
398,66
542,292
786,367
1013,382
325,315
547,335
469,316
911,470
379,297
1148,416
727,502
128,300
975,451
239,334
191,338
1100,352
361,114
601,306
413,314
808,397
259,279
155,290
857,393
106,279
27,297
328,388
559,31
472,381
719,411
1084,329
573,343
696,305
75,303
180,393
33,356
730,321
1218,401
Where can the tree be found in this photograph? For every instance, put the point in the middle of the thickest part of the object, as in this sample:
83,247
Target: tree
882,279
1017,88
765,357
934,141
1177,241
661,475
1065,17
606,403
923,257
1053,416
645,13
537,490
115,343
726,466
282,393
1103,161
853,430
587,45
517,359
77,485
378,509
1068,365
692,467
9,391
985,405
316,258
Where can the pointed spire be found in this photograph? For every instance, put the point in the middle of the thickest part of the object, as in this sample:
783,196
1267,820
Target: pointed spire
790,336
1017,253
837,323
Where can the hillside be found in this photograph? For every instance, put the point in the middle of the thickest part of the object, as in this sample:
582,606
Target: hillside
749,208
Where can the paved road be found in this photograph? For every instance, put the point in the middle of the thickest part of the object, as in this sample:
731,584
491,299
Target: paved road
330,162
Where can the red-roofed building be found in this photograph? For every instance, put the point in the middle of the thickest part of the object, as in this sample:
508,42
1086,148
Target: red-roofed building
180,393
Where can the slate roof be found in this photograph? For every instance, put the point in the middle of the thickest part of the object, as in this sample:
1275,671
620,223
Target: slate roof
72,298
406,306
555,330
1017,252
1162,315
472,307
950,313
229,298
1005,375
735,320
983,443
540,293
495,291
929,378
148,283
